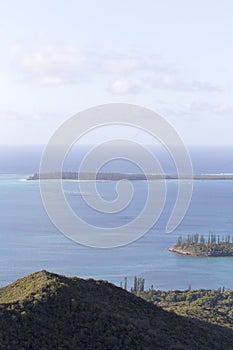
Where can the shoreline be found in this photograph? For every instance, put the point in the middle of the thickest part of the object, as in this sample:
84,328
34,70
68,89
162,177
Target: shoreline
204,255
181,252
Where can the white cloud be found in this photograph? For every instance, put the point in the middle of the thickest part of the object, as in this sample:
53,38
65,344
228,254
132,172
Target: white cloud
52,65
51,80
121,64
50,56
60,65
172,81
120,87
123,86
202,86
203,107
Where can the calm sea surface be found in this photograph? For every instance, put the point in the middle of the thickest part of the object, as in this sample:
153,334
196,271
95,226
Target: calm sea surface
30,242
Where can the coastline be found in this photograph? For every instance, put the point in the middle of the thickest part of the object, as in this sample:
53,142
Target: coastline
181,252
203,254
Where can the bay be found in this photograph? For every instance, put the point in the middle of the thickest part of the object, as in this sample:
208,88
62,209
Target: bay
30,242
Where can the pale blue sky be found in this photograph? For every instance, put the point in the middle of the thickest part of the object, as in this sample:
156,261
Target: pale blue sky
60,57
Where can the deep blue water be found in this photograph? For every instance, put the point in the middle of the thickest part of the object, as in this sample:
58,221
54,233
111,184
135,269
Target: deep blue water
26,159
30,242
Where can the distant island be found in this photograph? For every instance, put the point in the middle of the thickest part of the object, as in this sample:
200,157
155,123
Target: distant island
69,175
197,245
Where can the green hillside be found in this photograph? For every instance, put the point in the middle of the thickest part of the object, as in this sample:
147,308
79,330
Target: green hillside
48,311
215,306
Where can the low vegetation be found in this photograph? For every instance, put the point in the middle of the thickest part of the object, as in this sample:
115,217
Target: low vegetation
213,306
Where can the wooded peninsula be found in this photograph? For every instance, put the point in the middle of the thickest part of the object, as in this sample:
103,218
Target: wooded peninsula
198,245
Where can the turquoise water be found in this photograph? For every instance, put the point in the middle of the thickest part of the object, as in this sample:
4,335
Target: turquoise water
30,242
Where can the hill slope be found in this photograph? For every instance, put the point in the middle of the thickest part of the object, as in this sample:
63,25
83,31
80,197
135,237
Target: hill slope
48,311
215,306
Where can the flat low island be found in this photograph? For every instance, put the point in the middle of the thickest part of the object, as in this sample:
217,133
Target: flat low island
70,175
198,245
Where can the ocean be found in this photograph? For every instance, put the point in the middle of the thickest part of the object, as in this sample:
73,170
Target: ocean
30,242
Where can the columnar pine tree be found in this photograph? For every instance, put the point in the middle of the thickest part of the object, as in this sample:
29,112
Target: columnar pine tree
125,283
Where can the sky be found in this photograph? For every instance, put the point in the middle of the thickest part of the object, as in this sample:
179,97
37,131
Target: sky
60,57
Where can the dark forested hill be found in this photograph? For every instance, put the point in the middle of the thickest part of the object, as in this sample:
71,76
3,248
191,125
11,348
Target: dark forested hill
48,311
